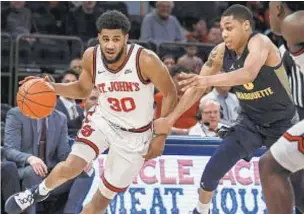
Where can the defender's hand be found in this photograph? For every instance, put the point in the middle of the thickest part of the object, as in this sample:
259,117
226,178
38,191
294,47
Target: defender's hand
192,80
162,126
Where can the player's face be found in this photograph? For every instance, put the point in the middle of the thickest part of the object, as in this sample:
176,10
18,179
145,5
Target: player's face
112,43
275,9
234,32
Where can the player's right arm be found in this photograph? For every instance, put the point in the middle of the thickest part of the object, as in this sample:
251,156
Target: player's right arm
192,95
81,88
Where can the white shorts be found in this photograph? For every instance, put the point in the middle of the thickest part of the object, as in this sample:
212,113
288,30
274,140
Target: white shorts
126,149
288,151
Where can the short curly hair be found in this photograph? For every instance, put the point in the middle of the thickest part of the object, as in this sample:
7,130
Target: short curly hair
113,19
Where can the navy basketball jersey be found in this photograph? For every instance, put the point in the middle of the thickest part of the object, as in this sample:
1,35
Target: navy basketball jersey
268,98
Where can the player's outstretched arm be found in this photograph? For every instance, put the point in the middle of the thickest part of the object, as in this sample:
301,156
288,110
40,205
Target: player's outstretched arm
259,47
153,69
83,86
192,95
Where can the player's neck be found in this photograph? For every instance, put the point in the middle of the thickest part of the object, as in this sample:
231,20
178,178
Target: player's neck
239,51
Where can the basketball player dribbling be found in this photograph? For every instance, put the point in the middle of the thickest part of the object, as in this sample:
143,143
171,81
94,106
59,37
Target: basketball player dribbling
253,66
125,75
286,156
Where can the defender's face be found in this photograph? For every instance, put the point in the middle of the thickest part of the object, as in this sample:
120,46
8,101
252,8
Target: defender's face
274,17
233,31
112,43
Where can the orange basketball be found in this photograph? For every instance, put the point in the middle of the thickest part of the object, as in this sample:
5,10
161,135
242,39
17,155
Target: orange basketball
36,99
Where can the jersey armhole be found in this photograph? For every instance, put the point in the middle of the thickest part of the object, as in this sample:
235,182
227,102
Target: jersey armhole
94,64
142,79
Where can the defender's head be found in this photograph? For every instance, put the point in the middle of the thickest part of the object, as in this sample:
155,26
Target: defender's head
236,25
278,10
113,27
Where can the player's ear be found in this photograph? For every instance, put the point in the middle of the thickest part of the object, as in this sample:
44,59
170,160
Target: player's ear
126,38
246,25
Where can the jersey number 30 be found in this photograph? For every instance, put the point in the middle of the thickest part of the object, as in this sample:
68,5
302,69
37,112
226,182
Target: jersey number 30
125,104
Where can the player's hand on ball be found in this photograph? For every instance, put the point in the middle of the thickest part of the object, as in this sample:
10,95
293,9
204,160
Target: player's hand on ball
156,148
46,78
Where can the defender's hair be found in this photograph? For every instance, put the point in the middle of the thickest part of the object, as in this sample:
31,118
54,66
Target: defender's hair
240,13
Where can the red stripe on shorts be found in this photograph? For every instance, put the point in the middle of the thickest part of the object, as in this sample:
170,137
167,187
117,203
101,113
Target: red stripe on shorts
89,143
111,187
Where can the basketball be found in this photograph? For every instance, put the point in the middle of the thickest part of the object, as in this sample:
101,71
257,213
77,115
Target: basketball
36,99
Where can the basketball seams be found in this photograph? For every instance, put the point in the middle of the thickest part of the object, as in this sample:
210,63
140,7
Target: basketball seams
27,91
31,110
31,99
24,97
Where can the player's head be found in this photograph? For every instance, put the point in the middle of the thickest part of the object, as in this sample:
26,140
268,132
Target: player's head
113,27
278,10
236,25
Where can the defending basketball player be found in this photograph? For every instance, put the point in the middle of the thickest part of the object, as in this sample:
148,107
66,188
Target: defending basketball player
286,156
125,75
253,66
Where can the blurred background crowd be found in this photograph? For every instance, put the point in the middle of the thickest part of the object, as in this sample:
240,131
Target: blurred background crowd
48,38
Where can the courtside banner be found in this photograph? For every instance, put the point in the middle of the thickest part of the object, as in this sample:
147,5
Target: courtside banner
169,184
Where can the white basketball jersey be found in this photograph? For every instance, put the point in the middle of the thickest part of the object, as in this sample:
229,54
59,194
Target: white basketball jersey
299,60
125,97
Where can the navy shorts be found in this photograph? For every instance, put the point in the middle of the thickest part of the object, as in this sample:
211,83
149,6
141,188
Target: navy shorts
241,142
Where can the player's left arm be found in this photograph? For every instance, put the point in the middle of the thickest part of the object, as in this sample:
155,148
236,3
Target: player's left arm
259,48
153,69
